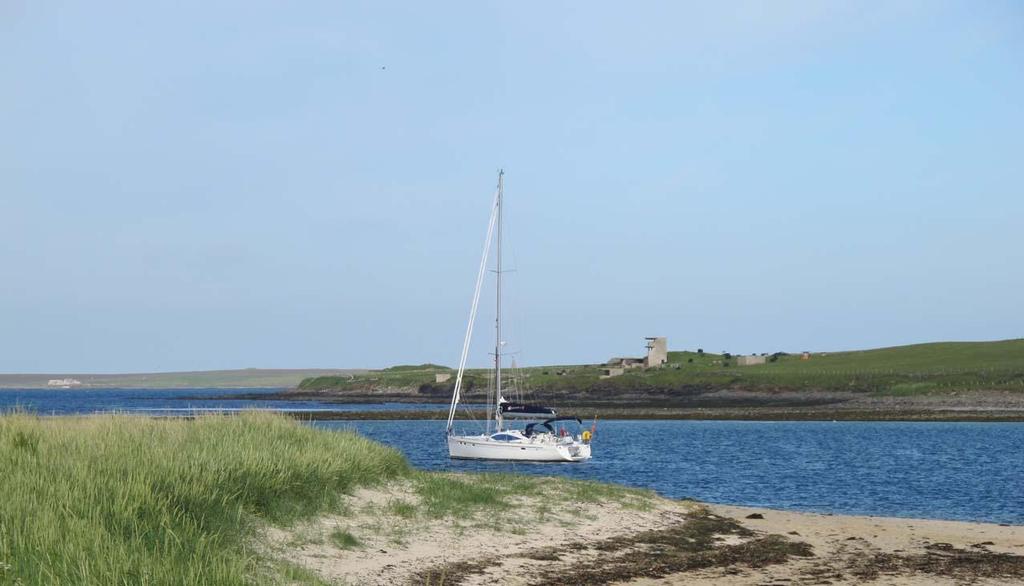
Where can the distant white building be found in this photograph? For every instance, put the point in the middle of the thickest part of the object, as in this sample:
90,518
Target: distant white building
64,383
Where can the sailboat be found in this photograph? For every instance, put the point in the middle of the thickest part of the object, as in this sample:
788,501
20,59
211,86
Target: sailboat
538,441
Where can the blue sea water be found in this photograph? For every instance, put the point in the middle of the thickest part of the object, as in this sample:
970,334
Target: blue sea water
965,471
168,401
962,471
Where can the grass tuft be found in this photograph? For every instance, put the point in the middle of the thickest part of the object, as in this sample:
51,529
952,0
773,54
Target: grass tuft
344,540
445,496
402,509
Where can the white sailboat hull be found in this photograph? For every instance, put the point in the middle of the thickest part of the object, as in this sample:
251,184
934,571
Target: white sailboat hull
482,447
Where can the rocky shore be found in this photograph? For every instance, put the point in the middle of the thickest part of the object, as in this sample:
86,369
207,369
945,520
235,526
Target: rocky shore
724,405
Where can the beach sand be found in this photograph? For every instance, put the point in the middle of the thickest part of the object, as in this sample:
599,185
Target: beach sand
650,540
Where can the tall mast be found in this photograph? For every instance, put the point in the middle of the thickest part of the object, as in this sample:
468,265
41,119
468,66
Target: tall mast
497,317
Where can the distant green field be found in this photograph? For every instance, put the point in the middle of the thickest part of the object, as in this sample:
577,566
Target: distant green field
943,366
901,370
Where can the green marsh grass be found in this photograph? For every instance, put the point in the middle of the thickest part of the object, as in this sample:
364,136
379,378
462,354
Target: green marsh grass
130,500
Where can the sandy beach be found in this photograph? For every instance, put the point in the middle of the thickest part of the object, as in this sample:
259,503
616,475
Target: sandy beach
641,539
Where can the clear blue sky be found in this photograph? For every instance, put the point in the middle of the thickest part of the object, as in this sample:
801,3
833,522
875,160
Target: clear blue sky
193,185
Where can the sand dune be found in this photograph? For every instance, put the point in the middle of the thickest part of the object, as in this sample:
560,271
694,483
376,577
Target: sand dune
647,540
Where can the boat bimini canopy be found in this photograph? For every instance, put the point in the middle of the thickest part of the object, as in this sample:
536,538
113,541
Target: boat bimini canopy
547,424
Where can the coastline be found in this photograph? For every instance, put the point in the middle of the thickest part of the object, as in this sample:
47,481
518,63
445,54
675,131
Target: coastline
977,406
964,416
632,537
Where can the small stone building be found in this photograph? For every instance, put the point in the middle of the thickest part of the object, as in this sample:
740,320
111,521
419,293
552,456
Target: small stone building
611,371
626,362
750,360
657,352
657,355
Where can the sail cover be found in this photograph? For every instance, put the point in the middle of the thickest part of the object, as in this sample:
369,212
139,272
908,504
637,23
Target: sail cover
524,410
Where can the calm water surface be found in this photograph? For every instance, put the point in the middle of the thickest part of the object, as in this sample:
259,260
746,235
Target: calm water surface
969,471
168,401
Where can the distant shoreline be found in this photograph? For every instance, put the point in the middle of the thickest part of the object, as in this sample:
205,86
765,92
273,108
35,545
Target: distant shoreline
977,406
1014,416
1004,406
242,378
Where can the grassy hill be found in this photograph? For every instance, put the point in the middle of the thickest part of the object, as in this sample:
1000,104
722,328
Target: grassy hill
395,377
901,370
